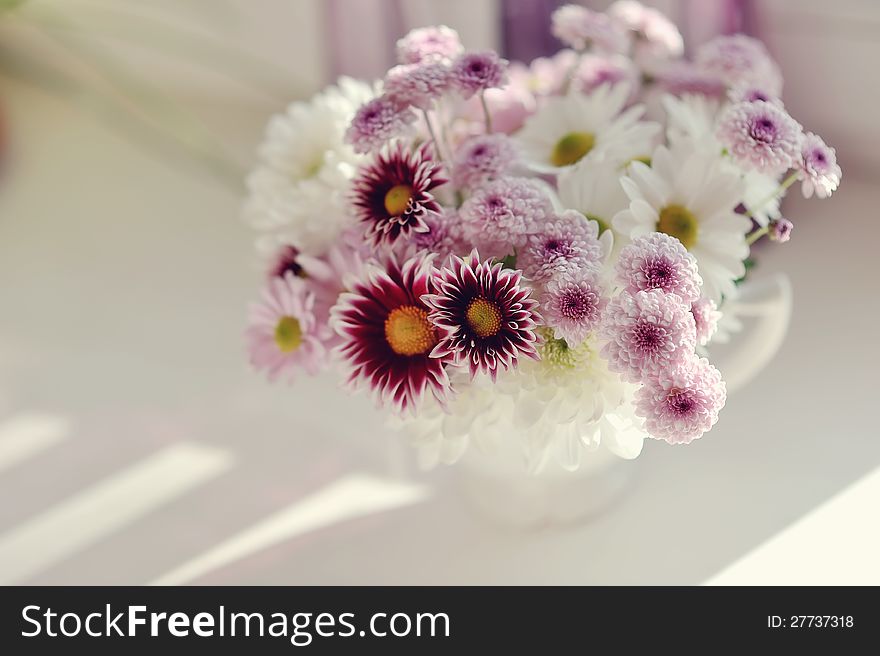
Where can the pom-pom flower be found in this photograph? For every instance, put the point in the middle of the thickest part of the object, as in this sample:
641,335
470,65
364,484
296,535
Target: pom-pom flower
443,238
377,122
760,136
706,317
658,261
572,305
818,168
428,44
500,214
682,403
483,158
392,195
780,230
419,85
580,28
646,333
656,36
387,337
473,72
283,333
567,243
737,58
485,315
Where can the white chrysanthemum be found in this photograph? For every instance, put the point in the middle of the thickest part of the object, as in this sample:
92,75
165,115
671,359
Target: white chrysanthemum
568,129
559,408
297,193
690,195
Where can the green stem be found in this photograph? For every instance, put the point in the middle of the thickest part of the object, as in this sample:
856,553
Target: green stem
486,114
757,234
790,180
431,132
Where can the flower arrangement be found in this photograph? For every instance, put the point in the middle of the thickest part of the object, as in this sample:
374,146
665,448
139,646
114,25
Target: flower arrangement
533,253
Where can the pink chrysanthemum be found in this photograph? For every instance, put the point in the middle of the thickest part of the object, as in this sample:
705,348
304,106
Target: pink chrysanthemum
473,72
681,404
580,28
595,70
656,35
818,167
647,332
392,194
483,158
377,122
572,305
658,261
567,243
286,261
387,337
751,91
706,317
427,44
500,214
780,230
444,236
283,333
761,136
487,318
419,85
737,58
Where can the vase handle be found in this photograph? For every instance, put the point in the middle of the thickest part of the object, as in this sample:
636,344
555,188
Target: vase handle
764,307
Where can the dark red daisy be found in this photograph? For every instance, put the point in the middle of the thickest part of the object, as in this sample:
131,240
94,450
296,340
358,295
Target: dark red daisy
486,317
386,335
392,194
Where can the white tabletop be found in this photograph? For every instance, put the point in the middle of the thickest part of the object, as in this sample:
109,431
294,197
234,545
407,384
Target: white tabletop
136,446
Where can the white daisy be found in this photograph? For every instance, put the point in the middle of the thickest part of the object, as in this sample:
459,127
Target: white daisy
567,129
690,195
297,193
691,122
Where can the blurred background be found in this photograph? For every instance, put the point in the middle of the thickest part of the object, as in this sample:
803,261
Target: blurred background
137,447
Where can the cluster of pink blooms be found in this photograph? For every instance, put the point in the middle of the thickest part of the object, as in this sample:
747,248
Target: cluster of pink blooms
458,257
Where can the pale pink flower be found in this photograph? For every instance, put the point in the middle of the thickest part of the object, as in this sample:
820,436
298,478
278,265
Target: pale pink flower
682,403
737,58
566,243
428,43
706,317
656,36
377,122
572,305
580,28
419,85
646,333
483,158
780,230
473,72
658,261
761,136
818,167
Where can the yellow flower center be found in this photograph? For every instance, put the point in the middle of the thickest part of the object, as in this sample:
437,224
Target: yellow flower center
397,199
679,222
408,331
484,317
288,334
572,147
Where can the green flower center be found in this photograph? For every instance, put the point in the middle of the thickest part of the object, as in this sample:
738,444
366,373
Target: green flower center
679,222
408,331
572,147
484,317
558,354
288,334
397,199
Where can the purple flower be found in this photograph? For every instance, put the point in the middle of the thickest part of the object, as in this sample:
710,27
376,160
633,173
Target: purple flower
486,317
761,136
419,85
473,72
377,122
750,91
444,236
499,216
392,194
737,58
658,261
647,333
483,158
566,243
706,316
572,305
682,403
818,167
681,77
580,28
428,43
780,230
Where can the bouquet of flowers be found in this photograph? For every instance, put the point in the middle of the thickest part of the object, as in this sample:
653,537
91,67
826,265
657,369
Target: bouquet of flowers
531,254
